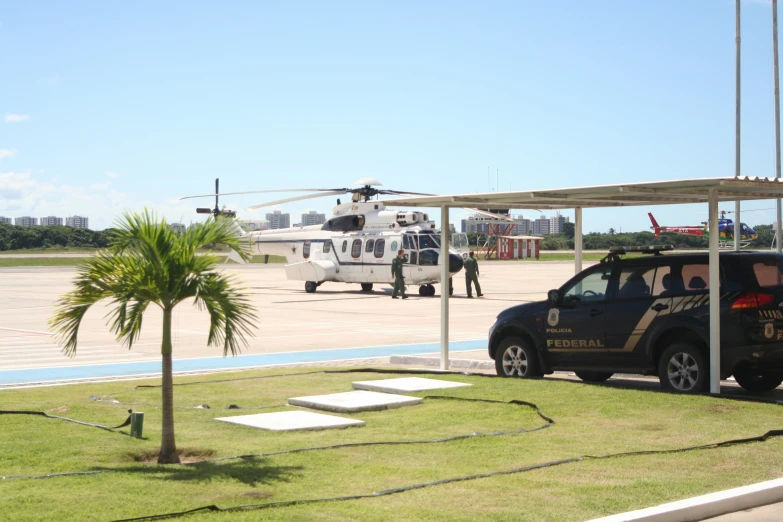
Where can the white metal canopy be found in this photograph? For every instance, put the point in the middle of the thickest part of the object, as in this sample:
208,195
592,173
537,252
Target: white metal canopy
705,190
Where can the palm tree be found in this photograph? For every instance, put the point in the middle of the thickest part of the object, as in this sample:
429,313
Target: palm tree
147,262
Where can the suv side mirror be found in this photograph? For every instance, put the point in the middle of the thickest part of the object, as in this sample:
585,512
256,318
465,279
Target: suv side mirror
553,296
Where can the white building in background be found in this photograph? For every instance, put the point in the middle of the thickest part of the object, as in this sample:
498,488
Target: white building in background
251,225
178,228
52,221
480,224
279,220
4,219
556,224
77,222
313,218
25,221
541,226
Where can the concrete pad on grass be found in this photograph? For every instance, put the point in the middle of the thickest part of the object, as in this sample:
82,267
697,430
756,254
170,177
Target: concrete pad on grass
406,385
355,401
292,420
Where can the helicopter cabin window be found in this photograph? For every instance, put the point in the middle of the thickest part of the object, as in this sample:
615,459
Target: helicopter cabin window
345,245
306,249
327,246
379,246
369,246
356,248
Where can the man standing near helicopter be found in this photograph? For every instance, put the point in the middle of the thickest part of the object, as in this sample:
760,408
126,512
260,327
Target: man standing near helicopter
396,268
471,275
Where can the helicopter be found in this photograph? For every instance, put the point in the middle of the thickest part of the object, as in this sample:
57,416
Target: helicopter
725,226
355,245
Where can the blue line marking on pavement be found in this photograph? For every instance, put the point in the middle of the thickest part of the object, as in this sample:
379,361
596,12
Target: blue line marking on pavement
66,373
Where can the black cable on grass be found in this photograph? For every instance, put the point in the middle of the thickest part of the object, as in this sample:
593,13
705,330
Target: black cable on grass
548,423
284,503
44,414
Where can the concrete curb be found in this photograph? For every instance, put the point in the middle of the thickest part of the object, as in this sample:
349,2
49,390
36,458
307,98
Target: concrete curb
435,361
706,506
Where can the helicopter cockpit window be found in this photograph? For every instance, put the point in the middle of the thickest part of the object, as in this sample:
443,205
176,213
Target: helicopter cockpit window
429,241
369,246
413,258
379,247
356,248
345,245
406,241
327,246
428,257
306,249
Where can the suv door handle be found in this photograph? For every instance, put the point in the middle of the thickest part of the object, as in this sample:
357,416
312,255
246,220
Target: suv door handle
659,307
595,312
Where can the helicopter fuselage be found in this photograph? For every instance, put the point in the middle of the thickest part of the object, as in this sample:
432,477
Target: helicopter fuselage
357,245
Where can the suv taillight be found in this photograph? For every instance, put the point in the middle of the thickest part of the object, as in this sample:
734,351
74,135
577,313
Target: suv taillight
752,300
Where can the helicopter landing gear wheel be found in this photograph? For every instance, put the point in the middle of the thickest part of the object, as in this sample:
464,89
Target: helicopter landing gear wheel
366,287
310,286
426,290
451,287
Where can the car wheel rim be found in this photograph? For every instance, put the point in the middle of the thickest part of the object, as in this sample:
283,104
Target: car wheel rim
515,361
683,371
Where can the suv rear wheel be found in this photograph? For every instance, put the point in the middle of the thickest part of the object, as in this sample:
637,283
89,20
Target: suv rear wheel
516,358
683,369
589,376
757,382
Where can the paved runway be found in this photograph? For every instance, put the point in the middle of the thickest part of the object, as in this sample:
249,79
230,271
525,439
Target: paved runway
337,322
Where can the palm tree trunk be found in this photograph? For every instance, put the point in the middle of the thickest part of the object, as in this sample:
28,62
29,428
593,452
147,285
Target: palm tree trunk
168,447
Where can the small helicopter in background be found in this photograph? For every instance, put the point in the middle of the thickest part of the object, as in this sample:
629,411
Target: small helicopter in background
356,244
725,226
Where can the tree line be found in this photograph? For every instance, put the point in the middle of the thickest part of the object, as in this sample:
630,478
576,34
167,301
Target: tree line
18,238
602,241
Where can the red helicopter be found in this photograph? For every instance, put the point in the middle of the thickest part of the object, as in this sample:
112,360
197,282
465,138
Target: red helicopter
725,227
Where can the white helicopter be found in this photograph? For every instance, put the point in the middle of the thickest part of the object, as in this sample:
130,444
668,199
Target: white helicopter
355,245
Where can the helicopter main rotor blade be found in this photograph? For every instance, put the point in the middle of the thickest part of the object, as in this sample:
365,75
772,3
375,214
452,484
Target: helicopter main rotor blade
404,193
341,190
297,198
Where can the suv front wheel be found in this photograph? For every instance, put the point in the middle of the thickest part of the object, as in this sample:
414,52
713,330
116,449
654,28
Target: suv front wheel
757,382
683,369
516,358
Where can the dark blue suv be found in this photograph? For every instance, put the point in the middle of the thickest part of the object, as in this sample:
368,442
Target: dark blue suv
650,315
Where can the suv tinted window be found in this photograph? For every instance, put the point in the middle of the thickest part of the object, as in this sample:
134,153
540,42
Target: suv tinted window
635,281
696,278
768,273
663,282
592,287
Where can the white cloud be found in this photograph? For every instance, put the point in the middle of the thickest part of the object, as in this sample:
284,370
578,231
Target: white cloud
31,194
6,153
113,175
10,117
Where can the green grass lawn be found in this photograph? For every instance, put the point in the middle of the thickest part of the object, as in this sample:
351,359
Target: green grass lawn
588,420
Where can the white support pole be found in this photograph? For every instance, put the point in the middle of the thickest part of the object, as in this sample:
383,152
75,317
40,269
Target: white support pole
444,287
577,240
714,261
737,128
779,214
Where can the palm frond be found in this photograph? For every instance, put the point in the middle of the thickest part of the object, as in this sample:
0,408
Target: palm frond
232,315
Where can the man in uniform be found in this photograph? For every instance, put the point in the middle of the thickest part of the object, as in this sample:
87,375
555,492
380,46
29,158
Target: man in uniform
471,275
399,282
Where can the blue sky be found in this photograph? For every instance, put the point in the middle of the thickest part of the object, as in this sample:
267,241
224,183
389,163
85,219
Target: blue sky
108,107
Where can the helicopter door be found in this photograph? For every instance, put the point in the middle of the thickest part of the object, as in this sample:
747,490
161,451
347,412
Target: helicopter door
411,247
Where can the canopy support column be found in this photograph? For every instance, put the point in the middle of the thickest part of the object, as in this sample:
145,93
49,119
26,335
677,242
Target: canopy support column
445,232
714,261
577,240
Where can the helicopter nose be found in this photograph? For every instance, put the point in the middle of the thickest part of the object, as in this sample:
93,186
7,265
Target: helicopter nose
455,263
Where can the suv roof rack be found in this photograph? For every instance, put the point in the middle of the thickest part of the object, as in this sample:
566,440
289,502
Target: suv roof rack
616,251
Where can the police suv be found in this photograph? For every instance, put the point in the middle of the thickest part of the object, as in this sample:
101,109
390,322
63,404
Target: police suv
650,315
